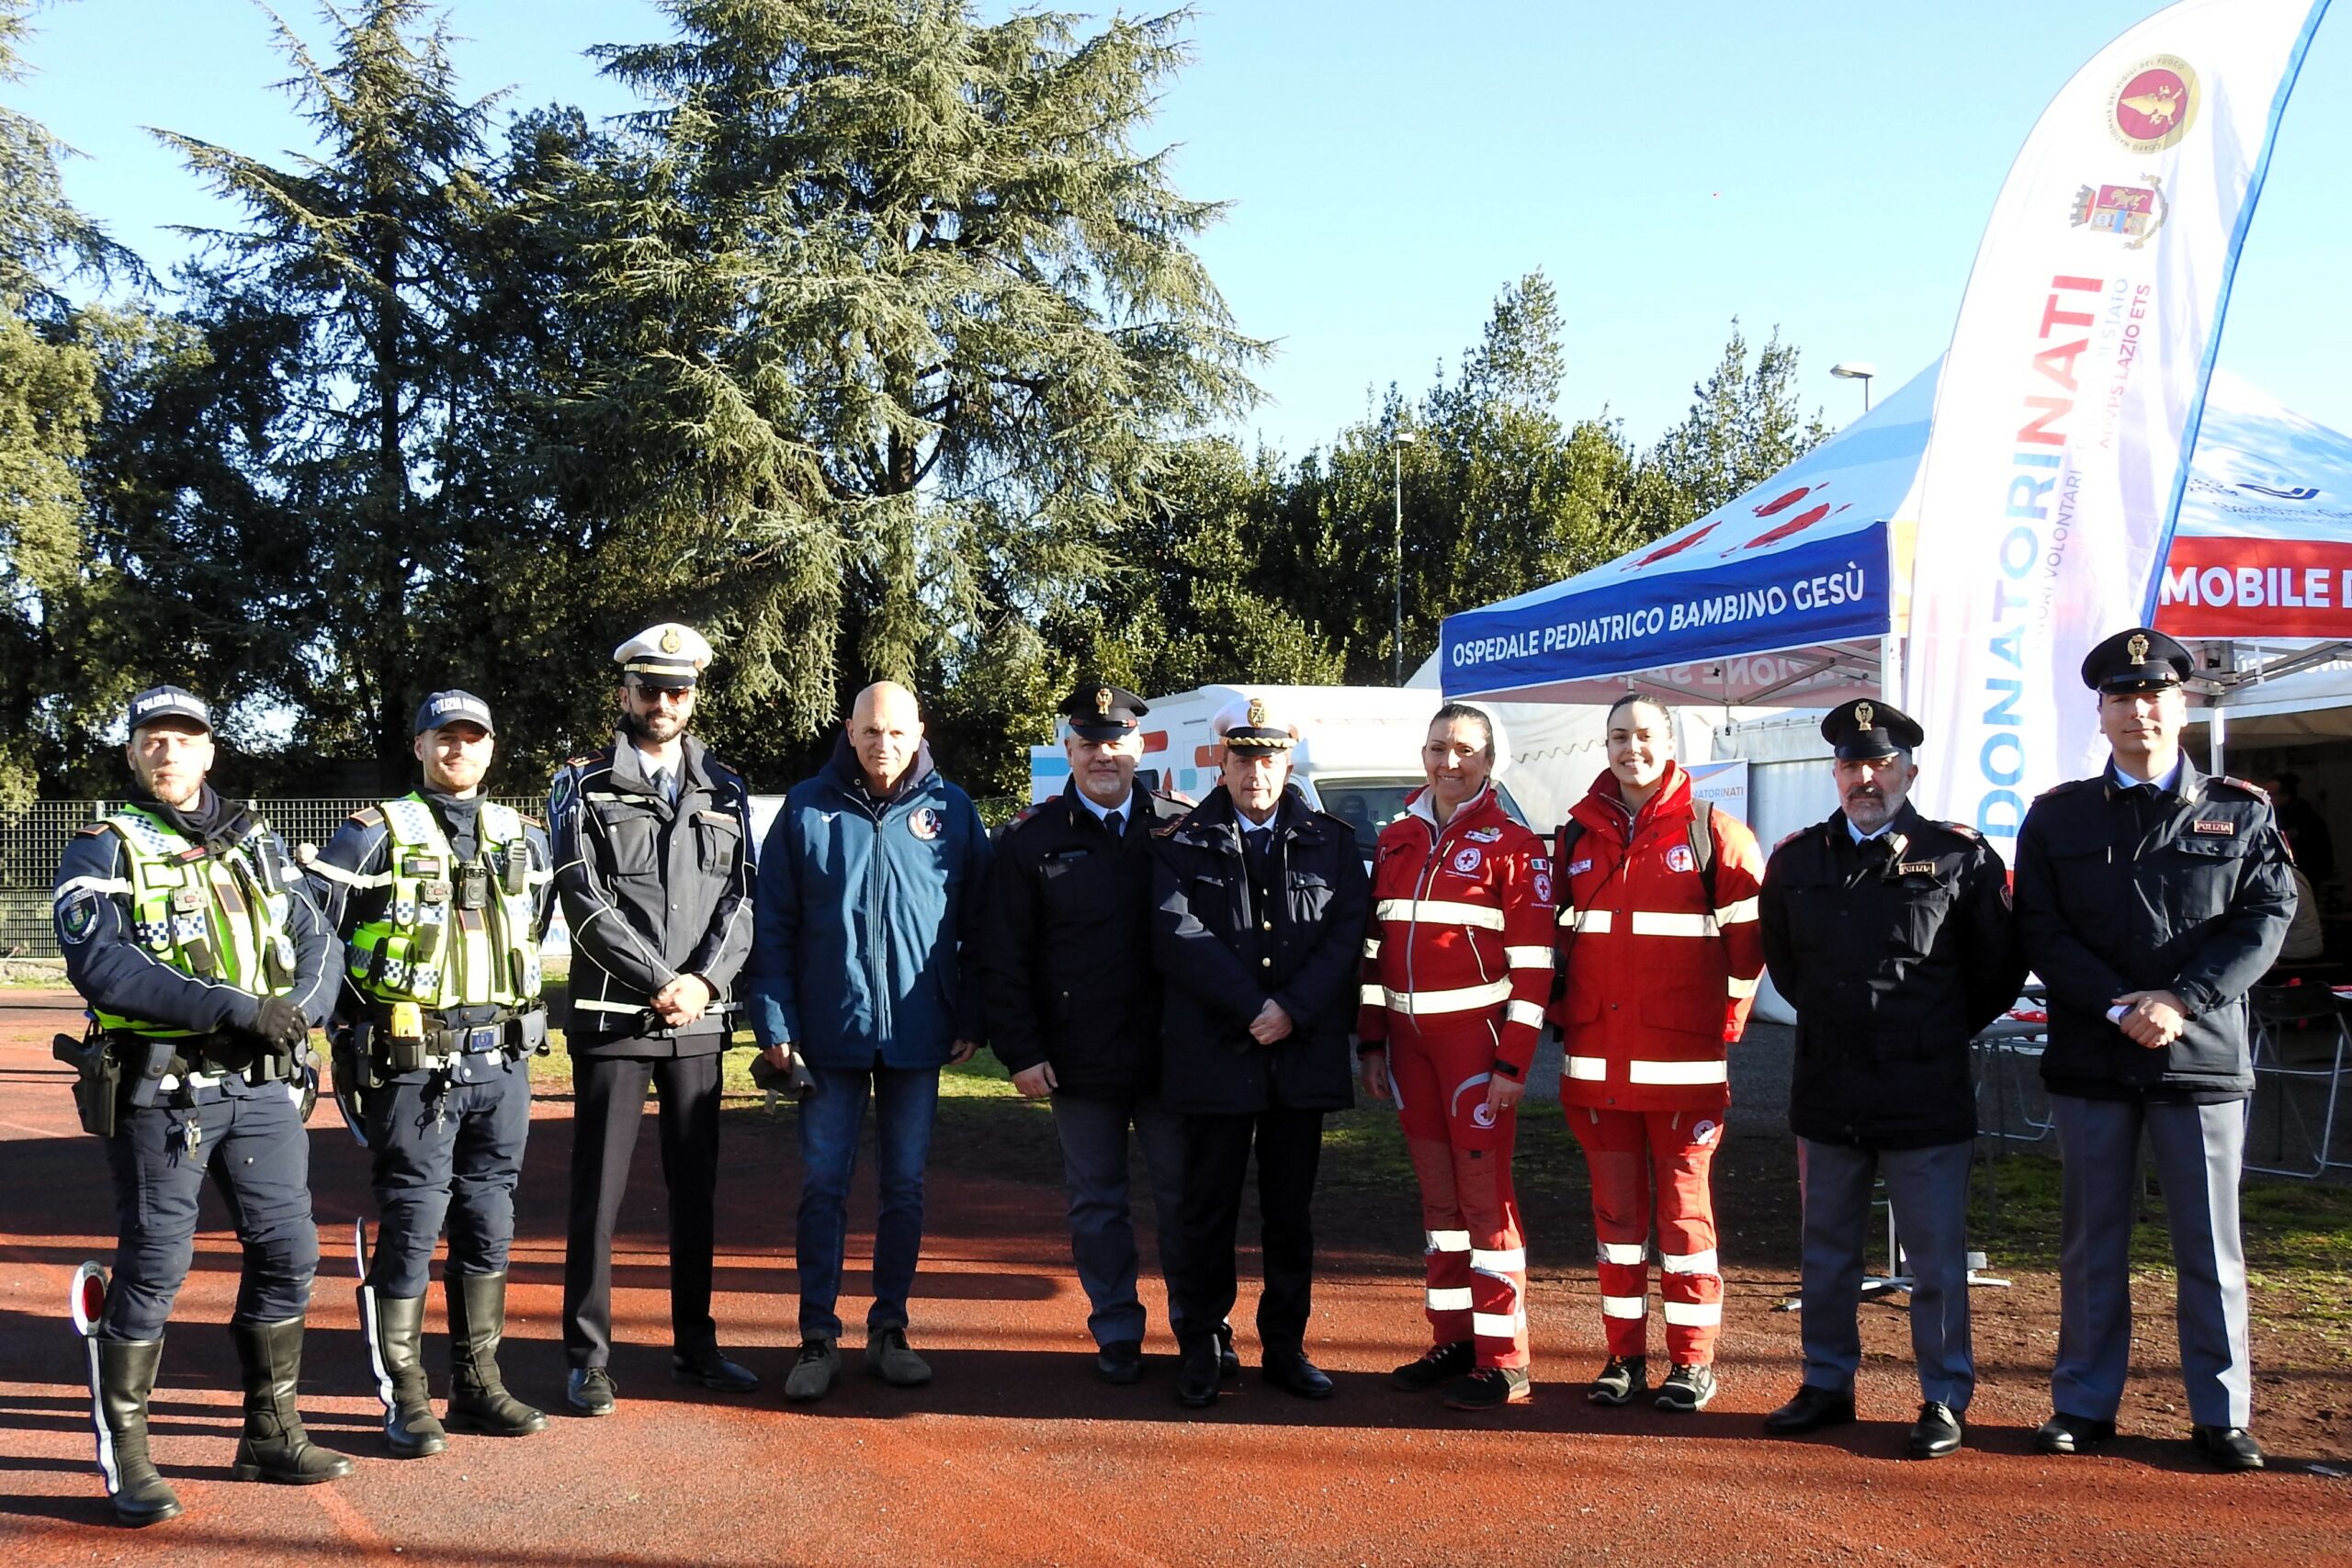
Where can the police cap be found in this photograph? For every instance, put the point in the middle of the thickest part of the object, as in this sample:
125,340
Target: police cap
158,703
1250,724
1867,729
668,656
1098,711
453,707
2140,659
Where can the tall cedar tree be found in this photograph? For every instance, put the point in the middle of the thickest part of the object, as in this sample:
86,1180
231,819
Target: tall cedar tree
916,329
50,353
315,538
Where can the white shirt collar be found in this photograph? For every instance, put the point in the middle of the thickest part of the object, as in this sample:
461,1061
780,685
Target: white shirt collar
2169,781
1863,838
1102,813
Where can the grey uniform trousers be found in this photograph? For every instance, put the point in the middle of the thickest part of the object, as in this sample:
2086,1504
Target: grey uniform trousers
2198,1150
1929,1191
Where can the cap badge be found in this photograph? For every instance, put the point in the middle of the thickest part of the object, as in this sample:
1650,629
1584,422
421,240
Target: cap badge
672,641
2138,649
1864,714
1257,716
1102,701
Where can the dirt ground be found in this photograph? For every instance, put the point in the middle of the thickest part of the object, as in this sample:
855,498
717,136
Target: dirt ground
1017,1454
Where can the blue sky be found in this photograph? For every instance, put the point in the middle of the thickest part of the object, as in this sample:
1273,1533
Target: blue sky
1824,168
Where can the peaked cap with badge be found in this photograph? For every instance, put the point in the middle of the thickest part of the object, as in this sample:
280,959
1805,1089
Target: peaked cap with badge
2139,659
669,657
158,703
1867,729
453,707
1252,725
1098,711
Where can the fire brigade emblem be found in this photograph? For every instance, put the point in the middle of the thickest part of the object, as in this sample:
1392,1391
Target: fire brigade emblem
2132,212
2154,103
1677,857
924,824
1468,859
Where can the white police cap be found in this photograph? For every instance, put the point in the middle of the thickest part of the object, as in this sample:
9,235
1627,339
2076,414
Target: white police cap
669,655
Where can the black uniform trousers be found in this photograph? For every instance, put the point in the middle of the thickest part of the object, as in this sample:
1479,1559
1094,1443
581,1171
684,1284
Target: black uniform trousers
257,1153
608,1106
1289,1146
447,1149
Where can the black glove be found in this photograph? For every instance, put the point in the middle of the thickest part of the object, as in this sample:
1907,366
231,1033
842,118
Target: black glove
279,1025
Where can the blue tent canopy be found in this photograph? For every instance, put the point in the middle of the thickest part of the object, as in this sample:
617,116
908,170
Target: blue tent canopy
1782,594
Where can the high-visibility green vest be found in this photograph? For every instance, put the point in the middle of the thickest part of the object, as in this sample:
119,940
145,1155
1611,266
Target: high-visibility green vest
427,946
214,915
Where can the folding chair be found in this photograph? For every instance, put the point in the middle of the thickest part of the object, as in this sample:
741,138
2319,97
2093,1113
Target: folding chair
2299,1037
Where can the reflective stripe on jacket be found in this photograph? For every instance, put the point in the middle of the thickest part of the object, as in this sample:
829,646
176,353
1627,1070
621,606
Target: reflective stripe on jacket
1460,929
1658,979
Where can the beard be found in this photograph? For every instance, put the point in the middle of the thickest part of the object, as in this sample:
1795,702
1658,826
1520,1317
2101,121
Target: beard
657,726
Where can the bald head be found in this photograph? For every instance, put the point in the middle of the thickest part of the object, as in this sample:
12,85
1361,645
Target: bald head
886,731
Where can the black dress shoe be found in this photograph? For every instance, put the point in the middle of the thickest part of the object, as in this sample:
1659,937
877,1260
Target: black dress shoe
2064,1433
712,1371
1196,1376
590,1390
2228,1447
1813,1408
1935,1434
1291,1371
1120,1361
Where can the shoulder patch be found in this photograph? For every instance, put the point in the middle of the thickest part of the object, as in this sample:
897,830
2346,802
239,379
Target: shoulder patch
2255,790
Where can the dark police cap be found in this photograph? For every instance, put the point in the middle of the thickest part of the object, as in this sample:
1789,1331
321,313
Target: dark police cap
1098,711
158,703
2140,659
1866,729
454,707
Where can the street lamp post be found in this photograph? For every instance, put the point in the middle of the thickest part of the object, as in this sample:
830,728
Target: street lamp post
1398,442
1857,371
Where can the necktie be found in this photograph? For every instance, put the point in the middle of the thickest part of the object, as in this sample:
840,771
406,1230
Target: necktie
662,785
1117,821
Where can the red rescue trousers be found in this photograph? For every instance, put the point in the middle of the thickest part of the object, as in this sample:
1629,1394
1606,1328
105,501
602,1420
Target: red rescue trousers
1630,1154
1461,1150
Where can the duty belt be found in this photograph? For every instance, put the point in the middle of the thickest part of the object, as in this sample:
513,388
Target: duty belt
440,1045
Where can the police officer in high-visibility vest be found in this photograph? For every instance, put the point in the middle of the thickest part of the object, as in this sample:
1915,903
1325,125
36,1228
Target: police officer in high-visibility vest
439,899
205,965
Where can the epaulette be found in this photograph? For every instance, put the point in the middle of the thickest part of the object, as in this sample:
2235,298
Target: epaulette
579,761
1961,828
2070,785
1024,815
369,816
2255,790
90,831
1175,798
1167,828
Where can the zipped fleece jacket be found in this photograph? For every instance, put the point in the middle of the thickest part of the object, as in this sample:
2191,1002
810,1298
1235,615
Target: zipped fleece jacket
865,909
1461,929
1658,979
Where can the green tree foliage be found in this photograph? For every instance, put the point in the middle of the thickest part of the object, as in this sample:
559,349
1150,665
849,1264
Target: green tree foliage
913,324
1499,496
49,369
1743,427
283,498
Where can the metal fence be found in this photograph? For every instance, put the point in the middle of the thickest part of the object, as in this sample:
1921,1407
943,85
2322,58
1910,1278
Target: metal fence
31,845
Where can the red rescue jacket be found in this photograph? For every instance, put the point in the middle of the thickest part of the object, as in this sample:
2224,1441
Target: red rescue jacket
1461,929
1658,979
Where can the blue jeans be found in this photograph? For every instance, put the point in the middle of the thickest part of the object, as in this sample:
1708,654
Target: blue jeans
906,1100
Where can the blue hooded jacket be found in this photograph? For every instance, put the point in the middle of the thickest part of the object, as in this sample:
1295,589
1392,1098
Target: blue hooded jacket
864,907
